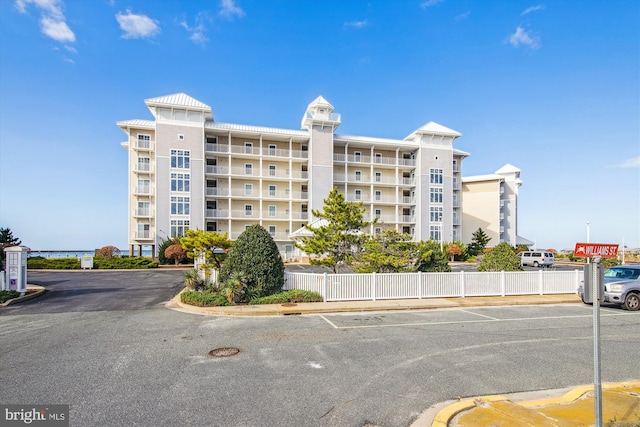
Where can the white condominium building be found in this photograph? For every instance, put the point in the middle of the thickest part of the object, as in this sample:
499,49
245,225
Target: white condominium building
188,171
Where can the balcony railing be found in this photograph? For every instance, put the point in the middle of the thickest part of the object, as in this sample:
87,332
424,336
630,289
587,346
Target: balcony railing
217,213
362,159
216,191
143,213
143,145
142,190
145,168
143,235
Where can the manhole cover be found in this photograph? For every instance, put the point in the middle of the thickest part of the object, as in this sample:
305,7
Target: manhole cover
224,352
289,304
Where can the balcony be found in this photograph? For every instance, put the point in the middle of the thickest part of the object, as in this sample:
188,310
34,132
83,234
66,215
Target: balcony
407,200
217,170
456,221
367,160
217,213
143,235
216,148
216,191
143,213
142,190
140,145
143,168
408,181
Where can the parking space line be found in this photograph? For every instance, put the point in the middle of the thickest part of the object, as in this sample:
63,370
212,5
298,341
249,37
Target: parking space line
329,322
478,314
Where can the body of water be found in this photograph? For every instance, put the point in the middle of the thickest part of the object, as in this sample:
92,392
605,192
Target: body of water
76,254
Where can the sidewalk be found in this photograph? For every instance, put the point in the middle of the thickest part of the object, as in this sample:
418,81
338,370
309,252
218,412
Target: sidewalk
378,305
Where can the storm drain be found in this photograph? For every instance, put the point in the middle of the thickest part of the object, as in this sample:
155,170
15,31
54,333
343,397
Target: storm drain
224,352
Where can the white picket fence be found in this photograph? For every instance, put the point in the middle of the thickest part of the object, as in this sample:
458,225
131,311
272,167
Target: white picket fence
375,286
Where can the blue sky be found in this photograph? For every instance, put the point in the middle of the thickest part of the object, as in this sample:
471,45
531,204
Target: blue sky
550,87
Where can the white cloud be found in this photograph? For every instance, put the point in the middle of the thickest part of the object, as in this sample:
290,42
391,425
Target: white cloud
52,20
137,26
229,10
533,9
357,24
463,16
198,30
523,37
429,3
631,163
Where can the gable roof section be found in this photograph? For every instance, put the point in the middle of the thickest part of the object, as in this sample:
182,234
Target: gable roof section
180,100
136,123
321,101
507,169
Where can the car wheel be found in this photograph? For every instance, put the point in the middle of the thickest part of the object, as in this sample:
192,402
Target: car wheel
535,264
632,301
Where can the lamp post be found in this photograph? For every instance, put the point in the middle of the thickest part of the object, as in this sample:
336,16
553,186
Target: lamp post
588,229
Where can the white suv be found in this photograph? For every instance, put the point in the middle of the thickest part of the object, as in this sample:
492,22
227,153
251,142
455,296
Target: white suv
537,258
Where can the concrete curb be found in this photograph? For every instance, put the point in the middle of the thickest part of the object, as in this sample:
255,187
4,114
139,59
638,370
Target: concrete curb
39,291
446,415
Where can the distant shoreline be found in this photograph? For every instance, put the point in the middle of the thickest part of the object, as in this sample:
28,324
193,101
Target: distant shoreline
61,253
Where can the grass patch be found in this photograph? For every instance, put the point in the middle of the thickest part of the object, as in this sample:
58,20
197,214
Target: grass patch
293,296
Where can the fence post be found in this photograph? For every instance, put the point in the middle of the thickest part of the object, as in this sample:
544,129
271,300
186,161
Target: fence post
373,286
419,284
462,290
541,283
503,285
325,291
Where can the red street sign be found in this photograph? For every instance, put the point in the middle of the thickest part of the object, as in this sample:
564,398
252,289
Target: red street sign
589,250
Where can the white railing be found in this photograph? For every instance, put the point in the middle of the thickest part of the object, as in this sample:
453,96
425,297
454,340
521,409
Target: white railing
349,287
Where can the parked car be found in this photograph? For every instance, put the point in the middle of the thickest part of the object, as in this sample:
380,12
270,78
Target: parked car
621,286
537,258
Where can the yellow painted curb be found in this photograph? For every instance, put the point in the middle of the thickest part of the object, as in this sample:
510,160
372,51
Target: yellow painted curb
444,415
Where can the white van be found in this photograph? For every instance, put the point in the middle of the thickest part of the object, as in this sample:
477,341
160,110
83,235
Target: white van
537,258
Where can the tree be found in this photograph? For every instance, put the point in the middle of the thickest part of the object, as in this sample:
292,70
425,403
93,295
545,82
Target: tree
211,245
163,247
429,257
478,242
453,250
175,252
339,237
501,258
107,252
7,240
254,261
388,252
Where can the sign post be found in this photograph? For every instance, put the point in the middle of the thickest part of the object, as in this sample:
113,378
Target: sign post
596,251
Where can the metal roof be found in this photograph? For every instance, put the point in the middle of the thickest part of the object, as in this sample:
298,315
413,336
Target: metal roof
255,129
178,100
369,140
137,123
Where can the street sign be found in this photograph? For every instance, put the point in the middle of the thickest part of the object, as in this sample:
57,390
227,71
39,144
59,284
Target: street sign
589,250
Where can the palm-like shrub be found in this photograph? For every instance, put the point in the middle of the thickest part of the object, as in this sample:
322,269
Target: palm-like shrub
256,256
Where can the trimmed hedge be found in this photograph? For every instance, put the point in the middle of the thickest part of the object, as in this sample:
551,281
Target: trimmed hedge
204,299
124,262
7,295
293,295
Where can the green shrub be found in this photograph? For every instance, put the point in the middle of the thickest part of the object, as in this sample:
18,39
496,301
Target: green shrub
40,263
256,256
131,262
293,295
7,295
204,299
501,258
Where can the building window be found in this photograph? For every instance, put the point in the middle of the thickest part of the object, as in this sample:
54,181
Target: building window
179,205
272,230
144,164
435,232
272,210
248,189
248,210
272,150
358,194
436,214
179,227
144,231
180,181
181,137
212,226
378,176
180,159
378,213
435,176
143,209
357,156
248,147
378,158
436,195
358,175
378,195
377,230
144,141
272,170
272,190
248,169
144,186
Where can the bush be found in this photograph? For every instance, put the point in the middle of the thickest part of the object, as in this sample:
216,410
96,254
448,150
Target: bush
204,299
7,295
501,258
40,263
255,255
107,252
293,295
161,248
135,262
